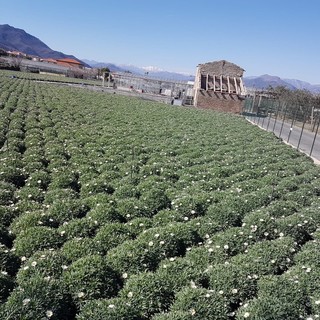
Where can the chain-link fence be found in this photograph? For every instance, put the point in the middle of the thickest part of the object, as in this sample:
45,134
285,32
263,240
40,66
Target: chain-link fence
295,123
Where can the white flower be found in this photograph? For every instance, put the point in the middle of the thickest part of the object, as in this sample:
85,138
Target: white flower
64,267
23,258
34,263
161,242
130,294
226,247
192,312
125,275
157,235
111,306
80,294
246,315
221,292
150,244
317,302
234,290
25,301
4,272
49,313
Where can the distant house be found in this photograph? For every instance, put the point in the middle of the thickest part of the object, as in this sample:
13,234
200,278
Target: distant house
218,85
67,62
49,60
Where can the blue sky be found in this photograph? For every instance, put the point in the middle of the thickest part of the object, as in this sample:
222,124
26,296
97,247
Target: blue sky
276,37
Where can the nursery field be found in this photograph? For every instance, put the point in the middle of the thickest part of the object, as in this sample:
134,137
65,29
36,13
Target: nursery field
114,208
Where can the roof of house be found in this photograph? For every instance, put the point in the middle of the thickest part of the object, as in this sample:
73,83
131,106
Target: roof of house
68,60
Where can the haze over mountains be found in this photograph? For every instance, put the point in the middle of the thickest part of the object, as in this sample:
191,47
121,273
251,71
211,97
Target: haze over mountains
18,40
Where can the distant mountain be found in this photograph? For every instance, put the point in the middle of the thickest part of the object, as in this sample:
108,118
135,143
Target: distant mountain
150,71
265,81
13,39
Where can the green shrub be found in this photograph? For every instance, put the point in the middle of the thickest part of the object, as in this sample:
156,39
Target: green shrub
111,309
95,186
91,277
309,254
148,293
180,272
207,254
67,209
278,298
37,238
30,194
138,225
267,257
206,226
31,219
28,206
13,174
6,193
64,178
131,208
260,225
173,315
154,200
9,262
233,240
201,304
126,190
77,248
55,195
39,299
39,178
282,208
223,217
152,246
84,227
7,215
111,235
234,282
190,206
297,226
308,277
105,214
48,264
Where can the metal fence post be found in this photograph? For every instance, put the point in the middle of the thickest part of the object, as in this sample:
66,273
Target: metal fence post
315,136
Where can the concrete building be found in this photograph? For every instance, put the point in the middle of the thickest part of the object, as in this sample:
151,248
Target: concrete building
218,85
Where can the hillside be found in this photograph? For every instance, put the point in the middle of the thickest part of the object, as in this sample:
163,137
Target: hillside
15,39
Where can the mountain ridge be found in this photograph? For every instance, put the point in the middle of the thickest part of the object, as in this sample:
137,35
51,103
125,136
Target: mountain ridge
15,39
255,82
12,38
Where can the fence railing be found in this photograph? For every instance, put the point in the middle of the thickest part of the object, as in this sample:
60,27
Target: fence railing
294,124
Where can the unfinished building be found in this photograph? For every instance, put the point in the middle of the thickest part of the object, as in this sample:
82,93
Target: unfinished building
218,85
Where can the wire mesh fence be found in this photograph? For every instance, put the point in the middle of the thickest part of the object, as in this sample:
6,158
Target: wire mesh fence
295,123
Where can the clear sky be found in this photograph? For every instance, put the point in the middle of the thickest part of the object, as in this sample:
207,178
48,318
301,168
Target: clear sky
276,37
